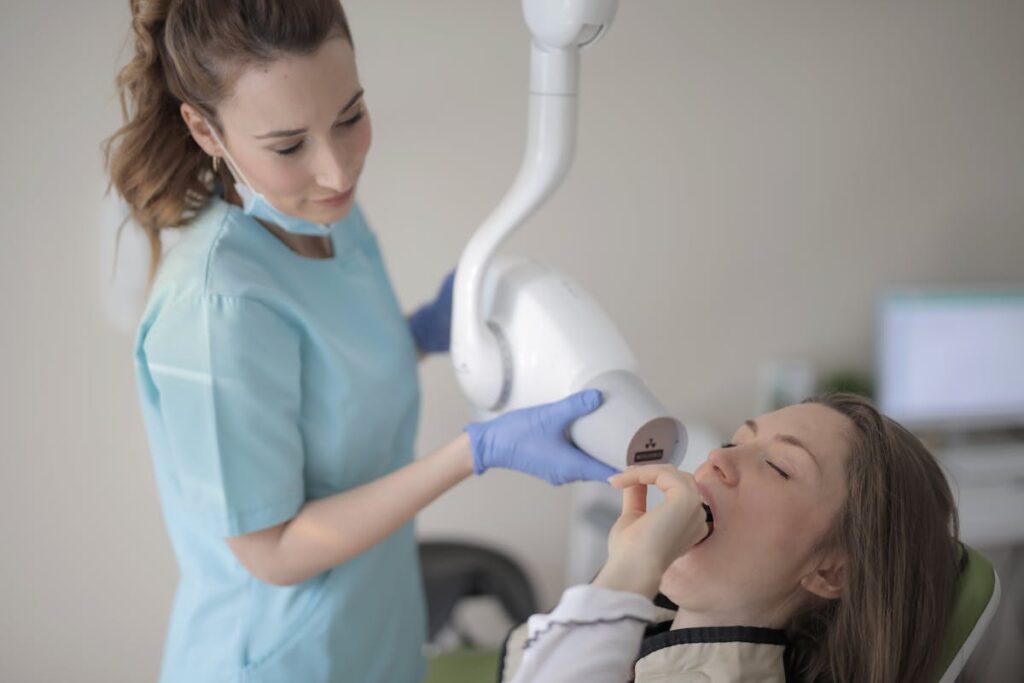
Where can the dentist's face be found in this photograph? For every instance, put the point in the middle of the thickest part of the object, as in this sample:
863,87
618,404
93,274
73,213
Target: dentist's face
299,130
775,490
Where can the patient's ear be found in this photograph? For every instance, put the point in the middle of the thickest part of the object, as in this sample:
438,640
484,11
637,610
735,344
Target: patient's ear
828,579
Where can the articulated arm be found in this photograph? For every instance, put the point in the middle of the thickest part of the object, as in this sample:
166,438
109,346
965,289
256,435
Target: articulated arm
559,30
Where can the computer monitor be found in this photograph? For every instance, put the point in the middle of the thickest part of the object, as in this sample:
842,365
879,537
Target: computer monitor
952,360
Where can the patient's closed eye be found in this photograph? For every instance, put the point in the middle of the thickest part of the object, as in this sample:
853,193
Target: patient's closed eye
781,472
775,467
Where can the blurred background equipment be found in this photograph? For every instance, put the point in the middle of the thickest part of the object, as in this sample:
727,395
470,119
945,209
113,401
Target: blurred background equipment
950,367
952,360
455,573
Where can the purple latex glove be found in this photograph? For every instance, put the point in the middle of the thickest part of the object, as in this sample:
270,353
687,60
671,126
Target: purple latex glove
431,324
535,441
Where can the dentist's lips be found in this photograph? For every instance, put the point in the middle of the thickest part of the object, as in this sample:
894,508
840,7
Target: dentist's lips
336,200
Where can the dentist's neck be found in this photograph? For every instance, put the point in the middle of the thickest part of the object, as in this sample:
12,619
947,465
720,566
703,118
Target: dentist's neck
309,246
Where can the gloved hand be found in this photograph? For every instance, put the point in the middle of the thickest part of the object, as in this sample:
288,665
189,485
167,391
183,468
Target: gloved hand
535,441
431,324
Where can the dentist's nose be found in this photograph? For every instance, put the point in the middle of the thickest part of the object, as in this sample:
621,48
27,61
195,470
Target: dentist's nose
331,170
723,466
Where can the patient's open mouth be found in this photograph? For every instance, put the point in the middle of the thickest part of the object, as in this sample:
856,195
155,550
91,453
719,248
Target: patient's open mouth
710,518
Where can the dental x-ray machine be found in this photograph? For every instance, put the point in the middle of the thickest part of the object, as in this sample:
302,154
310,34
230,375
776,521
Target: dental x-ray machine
523,334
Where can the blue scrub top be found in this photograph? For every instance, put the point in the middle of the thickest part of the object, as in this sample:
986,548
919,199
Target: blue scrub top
268,379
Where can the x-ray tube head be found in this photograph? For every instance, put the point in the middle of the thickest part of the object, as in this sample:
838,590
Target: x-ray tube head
631,427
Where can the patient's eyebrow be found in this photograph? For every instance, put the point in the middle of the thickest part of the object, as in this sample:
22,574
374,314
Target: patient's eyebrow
787,438
299,131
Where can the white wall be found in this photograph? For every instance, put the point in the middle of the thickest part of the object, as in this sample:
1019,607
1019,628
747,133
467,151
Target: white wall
749,174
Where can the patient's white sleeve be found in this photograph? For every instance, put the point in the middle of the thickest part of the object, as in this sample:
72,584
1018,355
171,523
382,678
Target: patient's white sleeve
592,635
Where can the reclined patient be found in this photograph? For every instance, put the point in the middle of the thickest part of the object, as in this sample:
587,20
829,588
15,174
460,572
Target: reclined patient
820,544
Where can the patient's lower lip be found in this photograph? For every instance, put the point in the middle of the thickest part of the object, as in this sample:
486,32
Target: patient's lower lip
708,499
710,520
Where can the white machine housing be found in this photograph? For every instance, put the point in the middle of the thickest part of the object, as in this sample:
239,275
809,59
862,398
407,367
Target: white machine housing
523,334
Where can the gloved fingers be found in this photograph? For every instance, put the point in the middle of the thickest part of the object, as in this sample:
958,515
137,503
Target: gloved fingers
445,292
588,469
573,407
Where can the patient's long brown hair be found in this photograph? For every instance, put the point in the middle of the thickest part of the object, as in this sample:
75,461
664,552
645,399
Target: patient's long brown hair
190,51
898,530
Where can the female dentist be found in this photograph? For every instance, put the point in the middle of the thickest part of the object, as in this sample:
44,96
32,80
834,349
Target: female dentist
276,374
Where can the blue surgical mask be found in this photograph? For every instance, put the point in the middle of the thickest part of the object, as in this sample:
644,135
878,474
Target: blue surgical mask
256,205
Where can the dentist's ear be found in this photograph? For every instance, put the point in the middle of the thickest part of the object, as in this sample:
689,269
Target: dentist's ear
828,578
200,129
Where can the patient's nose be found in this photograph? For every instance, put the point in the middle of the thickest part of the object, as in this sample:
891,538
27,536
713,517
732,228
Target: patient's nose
723,466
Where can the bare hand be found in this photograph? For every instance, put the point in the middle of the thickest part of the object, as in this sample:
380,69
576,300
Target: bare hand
642,544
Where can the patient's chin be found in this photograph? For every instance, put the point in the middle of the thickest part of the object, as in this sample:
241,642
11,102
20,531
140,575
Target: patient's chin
678,580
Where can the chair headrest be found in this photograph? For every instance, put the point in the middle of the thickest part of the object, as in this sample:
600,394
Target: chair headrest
976,596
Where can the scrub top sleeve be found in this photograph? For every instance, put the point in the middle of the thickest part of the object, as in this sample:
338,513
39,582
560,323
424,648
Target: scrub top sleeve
228,379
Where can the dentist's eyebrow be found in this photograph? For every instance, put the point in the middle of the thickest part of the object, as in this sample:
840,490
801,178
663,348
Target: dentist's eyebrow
300,131
787,438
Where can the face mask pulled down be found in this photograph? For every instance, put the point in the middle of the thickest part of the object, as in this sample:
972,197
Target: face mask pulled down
255,204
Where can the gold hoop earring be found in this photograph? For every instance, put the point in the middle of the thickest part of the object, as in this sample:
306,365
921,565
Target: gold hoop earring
216,164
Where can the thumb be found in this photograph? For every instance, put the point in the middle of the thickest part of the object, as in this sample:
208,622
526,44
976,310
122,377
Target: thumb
591,469
577,405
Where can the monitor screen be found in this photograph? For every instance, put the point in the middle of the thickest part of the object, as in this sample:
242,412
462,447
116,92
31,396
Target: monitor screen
952,359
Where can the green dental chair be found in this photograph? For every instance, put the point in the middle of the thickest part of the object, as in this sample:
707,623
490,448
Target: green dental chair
977,596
